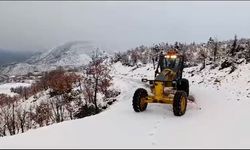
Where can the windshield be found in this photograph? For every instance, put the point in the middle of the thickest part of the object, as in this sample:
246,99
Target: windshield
171,63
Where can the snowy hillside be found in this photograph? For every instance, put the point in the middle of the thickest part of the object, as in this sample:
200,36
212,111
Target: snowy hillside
237,83
217,118
71,54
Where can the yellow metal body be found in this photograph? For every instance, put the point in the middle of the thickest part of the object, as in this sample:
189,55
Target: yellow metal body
158,94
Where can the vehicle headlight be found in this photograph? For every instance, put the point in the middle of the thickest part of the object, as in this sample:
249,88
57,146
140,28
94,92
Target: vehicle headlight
168,56
173,56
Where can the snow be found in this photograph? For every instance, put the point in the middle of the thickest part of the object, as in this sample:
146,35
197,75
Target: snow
71,54
216,119
5,88
237,83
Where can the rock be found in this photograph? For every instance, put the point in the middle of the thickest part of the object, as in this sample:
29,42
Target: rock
217,80
225,64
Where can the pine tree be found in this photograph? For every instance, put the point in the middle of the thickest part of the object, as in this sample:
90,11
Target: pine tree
234,46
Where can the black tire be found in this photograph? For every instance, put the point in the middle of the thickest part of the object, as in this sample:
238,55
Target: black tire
183,85
138,95
178,108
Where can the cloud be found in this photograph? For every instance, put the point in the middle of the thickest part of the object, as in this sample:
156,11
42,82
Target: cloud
113,25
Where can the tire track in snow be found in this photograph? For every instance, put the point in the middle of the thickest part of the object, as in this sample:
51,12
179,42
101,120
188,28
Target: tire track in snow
136,83
192,105
154,130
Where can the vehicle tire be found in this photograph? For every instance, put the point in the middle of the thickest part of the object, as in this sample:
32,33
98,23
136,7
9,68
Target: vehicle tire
138,100
183,86
180,103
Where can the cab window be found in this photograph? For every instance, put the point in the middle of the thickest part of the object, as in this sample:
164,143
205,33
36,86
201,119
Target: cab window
171,63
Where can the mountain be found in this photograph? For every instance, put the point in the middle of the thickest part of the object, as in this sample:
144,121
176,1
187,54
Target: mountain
70,54
10,56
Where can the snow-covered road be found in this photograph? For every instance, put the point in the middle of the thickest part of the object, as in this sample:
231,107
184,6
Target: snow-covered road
212,122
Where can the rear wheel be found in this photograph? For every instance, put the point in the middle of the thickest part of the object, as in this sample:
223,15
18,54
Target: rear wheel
180,103
184,86
139,97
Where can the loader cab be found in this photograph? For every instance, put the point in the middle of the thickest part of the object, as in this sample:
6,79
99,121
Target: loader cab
172,60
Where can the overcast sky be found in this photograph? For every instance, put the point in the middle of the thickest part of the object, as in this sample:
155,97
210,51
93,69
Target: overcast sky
119,25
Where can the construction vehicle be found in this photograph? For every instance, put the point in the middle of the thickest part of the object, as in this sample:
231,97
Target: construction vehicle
168,87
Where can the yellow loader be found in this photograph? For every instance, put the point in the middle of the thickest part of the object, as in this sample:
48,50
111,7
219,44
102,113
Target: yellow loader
168,87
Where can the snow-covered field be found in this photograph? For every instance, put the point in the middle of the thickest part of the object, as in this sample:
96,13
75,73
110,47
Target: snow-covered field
5,88
219,118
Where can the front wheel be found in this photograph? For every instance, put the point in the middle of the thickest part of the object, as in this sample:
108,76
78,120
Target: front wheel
138,102
180,103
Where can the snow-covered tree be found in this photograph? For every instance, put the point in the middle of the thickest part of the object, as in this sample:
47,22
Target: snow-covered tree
21,117
234,46
97,78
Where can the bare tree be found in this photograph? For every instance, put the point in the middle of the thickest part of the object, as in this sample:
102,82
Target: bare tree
202,56
2,124
8,115
57,109
215,50
97,77
247,52
21,116
42,114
